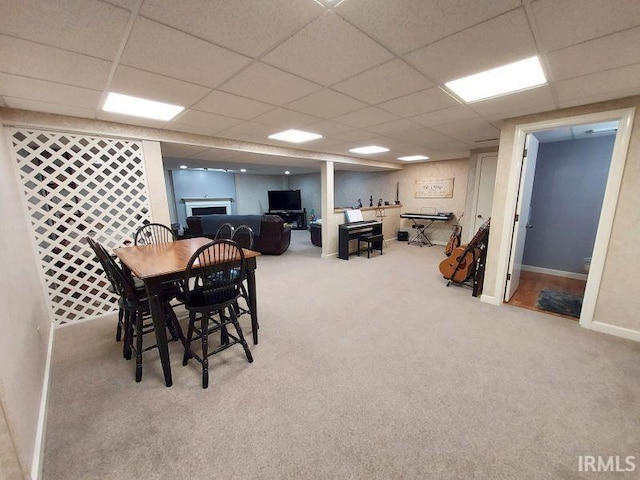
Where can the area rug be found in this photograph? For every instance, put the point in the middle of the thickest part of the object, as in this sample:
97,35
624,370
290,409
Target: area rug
560,302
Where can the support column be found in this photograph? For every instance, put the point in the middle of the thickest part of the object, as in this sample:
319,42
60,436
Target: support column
329,229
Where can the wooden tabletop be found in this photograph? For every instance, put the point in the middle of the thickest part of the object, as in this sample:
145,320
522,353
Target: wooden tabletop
148,261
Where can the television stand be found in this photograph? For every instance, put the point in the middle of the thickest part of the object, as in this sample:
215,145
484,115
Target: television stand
296,218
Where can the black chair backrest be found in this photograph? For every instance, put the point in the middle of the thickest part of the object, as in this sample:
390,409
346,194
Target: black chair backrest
153,233
225,232
121,282
218,268
243,236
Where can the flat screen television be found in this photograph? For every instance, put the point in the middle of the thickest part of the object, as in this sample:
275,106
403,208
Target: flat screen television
284,200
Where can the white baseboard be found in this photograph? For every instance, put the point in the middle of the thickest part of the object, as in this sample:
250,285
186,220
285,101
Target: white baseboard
555,273
490,299
37,462
615,330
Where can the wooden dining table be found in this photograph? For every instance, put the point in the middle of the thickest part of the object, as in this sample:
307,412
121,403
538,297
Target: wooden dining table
166,262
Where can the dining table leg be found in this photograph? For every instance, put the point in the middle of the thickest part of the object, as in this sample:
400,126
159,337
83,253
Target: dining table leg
253,303
154,290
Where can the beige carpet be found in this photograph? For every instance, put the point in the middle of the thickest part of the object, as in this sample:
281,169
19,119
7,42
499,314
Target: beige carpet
366,369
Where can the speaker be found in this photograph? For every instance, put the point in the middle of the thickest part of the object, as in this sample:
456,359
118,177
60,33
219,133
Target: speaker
403,236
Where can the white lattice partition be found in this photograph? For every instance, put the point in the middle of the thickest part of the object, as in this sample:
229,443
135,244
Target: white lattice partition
77,185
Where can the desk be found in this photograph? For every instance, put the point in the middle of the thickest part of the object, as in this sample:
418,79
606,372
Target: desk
166,262
421,237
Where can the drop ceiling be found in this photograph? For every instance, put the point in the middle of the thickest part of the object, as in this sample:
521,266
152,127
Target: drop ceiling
363,72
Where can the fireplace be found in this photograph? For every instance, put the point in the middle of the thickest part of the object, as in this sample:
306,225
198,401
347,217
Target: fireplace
207,206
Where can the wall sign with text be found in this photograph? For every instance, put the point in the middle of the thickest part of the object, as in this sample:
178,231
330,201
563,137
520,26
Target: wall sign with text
434,188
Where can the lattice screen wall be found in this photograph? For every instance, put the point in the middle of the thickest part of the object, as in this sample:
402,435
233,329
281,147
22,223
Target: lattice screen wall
74,186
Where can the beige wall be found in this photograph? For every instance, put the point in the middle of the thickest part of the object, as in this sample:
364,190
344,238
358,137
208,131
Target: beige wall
24,321
618,302
251,192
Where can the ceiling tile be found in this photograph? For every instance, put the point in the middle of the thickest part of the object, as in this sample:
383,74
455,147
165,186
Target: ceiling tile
43,91
365,117
355,135
236,24
390,80
38,61
408,24
615,83
167,51
131,81
128,4
85,26
211,121
249,132
453,114
596,55
268,84
423,137
25,104
328,37
529,101
232,105
499,41
565,23
428,100
469,131
393,127
327,128
326,104
285,119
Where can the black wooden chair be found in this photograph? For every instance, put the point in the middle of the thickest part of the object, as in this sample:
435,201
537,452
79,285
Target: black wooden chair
225,232
153,233
216,271
134,304
243,236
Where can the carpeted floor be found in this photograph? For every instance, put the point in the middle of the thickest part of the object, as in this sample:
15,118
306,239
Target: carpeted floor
366,369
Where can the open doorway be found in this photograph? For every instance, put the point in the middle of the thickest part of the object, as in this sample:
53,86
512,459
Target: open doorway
520,184
569,181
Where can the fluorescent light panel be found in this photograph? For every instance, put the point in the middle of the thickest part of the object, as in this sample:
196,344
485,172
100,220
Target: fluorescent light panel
140,107
503,80
412,158
295,136
369,149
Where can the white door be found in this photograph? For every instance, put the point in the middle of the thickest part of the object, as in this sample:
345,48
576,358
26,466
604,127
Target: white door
521,220
487,166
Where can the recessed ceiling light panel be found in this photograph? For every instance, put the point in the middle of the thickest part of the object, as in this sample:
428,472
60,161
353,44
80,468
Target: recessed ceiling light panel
140,107
369,149
510,78
413,158
295,136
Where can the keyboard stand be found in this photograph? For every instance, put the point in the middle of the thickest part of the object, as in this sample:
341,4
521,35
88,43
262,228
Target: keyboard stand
421,237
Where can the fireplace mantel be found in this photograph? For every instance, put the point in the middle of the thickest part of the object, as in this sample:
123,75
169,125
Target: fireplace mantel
222,204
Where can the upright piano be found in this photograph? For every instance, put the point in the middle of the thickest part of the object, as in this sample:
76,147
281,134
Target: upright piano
352,230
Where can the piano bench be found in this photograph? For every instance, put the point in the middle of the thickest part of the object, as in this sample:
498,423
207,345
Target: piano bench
372,242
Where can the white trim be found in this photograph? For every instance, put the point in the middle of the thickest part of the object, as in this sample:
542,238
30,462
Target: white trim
189,205
37,462
555,273
619,155
615,330
490,299
113,313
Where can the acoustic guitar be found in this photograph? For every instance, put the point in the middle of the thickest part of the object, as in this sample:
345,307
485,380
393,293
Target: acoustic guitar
454,238
462,262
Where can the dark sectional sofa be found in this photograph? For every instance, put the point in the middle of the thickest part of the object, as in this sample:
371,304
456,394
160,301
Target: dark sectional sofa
271,237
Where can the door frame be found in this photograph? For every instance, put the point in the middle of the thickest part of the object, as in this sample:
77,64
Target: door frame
476,192
618,159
